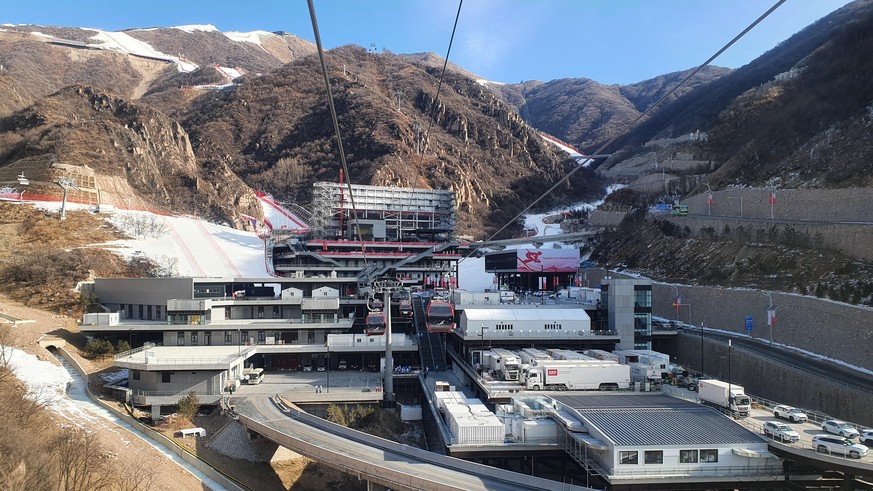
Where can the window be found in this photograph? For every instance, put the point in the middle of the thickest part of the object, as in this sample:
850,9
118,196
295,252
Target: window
554,325
157,312
194,338
642,298
503,327
180,339
688,456
149,312
165,377
654,456
140,312
262,336
130,311
310,337
135,374
228,337
709,455
208,339
629,457
260,312
244,337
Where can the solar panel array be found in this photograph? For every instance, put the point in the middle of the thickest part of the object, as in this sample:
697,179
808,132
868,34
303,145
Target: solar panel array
657,420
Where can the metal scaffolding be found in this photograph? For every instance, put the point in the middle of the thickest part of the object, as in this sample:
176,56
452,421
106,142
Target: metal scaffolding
403,210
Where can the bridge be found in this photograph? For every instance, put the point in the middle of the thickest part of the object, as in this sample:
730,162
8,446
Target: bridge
374,459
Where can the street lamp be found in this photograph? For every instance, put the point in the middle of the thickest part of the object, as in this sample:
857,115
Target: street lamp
729,374
327,368
701,348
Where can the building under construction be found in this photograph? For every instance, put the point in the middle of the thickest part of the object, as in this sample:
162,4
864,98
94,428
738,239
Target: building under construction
383,213
404,233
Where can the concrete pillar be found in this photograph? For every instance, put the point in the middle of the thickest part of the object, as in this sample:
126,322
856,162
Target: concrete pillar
156,412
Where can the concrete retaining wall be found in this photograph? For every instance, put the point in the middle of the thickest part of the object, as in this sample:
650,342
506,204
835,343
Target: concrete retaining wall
780,383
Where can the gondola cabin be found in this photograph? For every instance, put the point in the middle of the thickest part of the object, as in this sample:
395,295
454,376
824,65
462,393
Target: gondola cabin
440,316
405,308
375,324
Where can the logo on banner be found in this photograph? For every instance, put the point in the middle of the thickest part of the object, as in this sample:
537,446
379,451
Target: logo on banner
553,372
532,257
771,317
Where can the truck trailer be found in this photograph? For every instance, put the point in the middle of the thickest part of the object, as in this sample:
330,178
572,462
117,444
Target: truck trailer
529,356
725,396
562,375
505,363
646,365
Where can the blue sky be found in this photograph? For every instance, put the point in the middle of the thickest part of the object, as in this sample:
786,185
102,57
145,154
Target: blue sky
610,41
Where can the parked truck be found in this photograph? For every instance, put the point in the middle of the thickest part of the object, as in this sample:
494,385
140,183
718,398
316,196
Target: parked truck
725,395
504,362
565,354
565,375
646,365
601,355
530,356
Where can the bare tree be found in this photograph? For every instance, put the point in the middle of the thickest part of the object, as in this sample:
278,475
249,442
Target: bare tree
82,464
138,474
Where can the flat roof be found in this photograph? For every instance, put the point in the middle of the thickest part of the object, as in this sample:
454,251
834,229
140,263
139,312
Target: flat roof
191,354
656,420
525,313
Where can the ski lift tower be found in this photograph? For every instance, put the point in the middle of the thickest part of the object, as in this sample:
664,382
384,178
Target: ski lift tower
386,286
67,184
24,181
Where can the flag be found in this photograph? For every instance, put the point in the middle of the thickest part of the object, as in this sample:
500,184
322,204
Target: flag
772,198
771,317
677,303
709,199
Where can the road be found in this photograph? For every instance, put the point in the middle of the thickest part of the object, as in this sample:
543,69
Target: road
382,461
832,371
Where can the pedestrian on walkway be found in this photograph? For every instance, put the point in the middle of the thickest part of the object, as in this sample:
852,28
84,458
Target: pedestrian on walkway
426,370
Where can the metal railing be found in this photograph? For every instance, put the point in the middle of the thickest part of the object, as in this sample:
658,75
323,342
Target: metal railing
125,354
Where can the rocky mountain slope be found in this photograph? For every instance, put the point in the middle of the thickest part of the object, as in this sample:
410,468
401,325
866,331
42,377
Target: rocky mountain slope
275,132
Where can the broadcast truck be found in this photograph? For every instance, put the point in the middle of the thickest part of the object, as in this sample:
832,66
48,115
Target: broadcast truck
582,375
725,396
504,362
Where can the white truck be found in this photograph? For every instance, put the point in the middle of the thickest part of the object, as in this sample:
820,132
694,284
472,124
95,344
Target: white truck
601,354
646,365
724,395
530,356
504,362
565,354
565,375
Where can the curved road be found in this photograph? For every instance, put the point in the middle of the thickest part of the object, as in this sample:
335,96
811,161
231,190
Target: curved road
834,371
388,463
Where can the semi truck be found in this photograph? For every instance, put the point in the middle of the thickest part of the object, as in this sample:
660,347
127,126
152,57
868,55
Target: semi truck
565,354
646,365
563,375
530,356
725,395
601,355
504,362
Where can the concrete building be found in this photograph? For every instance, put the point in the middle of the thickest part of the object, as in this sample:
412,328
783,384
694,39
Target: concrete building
627,304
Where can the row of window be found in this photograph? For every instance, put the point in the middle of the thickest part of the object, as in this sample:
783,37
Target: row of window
146,312
657,456
552,326
193,338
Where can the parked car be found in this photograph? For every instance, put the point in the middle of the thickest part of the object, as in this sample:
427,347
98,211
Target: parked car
838,445
790,413
307,367
341,365
321,367
780,431
866,437
841,428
